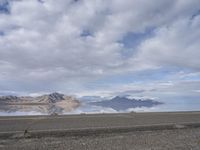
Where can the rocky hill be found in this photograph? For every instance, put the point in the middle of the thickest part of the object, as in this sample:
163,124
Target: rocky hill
44,99
122,103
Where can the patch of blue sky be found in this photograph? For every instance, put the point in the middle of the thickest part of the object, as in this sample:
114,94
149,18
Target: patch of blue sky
196,14
132,39
74,1
85,33
185,74
41,1
191,77
146,76
4,7
2,33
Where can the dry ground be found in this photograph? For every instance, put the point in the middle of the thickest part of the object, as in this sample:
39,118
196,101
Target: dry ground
178,139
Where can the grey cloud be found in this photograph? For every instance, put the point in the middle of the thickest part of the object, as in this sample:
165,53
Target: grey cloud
42,42
175,45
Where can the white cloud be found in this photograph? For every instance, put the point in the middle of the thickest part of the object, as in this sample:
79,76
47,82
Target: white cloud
42,47
174,45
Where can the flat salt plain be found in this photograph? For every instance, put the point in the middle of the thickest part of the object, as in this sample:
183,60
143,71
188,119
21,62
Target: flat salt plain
172,130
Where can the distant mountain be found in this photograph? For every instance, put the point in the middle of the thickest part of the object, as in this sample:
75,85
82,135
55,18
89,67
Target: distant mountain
122,103
44,99
52,98
49,103
9,99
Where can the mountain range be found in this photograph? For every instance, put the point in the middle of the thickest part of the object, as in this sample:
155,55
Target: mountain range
123,103
52,98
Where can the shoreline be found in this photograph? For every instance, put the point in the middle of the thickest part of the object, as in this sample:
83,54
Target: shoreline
96,113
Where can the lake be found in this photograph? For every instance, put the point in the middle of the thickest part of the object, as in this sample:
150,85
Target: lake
171,102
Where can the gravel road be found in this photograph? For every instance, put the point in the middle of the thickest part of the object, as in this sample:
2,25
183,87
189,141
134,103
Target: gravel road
134,133
180,139
67,122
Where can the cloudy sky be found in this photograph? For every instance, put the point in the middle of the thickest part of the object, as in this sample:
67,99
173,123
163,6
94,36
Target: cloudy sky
99,46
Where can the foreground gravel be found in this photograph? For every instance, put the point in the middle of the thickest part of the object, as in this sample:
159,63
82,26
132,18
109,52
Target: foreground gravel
178,139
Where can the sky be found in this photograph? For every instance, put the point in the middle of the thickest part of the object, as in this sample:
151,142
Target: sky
99,47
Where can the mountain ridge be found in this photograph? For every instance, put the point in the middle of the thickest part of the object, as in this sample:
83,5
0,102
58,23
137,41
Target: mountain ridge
43,99
122,103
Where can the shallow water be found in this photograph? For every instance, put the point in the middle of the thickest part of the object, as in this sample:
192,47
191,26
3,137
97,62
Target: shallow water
170,103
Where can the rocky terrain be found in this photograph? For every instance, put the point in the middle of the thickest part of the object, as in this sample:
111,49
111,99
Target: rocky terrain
47,104
125,131
44,99
186,139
